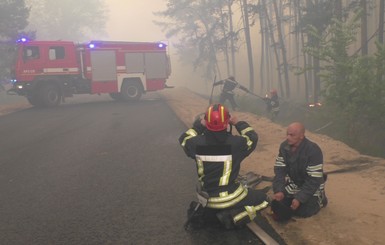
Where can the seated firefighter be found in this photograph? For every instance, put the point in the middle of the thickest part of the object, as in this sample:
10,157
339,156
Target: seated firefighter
218,155
299,182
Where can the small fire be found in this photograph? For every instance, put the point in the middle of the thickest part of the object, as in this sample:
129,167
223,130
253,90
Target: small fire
316,104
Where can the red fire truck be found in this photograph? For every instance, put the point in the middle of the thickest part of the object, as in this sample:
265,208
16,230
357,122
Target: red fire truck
46,72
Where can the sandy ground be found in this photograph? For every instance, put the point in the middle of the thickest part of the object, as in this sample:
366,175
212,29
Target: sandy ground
356,210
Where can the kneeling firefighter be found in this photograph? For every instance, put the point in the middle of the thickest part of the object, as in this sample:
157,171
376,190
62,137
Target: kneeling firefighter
218,155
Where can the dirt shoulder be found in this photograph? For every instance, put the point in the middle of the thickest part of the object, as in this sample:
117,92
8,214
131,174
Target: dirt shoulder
356,210
5,109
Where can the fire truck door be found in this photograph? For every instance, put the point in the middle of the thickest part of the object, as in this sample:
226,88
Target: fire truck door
103,67
156,65
32,64
134,62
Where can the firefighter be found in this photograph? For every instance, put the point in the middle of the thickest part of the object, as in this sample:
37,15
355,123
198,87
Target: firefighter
272,104
218,155
229,84
299,182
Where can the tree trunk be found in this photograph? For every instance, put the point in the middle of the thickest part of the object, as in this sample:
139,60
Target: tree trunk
364,29
295,12
226,49
233,70
271,33
248,44
305,61
283,49
381,22
380,37
338,10
309,72
317,81
263,58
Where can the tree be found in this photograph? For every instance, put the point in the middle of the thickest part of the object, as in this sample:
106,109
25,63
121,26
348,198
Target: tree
260,13
246,25
272,21
381,22
364,28
13,18
380,38
232,43
282,47
202,30
354,84
317,17
68,20
300,42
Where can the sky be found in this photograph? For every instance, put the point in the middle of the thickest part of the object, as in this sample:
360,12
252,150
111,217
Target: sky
132,20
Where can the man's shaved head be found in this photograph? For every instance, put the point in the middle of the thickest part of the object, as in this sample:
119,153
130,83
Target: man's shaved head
295,133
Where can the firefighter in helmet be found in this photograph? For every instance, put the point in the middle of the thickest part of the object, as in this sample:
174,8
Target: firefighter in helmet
218,155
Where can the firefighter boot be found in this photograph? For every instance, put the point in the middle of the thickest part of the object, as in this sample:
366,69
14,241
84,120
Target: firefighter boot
226,219
195,216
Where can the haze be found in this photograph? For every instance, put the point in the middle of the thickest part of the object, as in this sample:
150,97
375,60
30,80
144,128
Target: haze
133,20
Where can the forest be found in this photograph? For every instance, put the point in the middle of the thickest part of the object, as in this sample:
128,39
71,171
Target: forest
325,53
328,53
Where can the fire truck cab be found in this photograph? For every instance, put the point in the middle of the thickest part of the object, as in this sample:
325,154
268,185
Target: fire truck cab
46,72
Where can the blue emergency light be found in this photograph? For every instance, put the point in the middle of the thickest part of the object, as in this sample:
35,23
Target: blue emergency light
22,40
162,44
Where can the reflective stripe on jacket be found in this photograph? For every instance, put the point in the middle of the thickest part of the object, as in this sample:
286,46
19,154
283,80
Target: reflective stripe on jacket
218,156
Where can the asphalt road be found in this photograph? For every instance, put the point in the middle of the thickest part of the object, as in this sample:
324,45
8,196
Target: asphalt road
98,172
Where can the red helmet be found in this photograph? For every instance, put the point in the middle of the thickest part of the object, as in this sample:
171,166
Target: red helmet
273,91
217,118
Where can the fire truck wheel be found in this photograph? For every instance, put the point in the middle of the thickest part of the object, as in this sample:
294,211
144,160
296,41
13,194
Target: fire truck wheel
34,100
131,91
50,95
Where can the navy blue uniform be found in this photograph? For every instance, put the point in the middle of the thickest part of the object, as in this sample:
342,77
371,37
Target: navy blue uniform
227,91
299,175
218,157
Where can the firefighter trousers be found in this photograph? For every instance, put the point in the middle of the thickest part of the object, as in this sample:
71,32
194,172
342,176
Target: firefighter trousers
230,97
244,211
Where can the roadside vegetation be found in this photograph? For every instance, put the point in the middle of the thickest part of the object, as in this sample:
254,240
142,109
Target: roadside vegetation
368,139
327,53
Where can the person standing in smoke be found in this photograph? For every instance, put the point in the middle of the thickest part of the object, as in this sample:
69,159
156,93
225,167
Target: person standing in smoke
229,84
272,104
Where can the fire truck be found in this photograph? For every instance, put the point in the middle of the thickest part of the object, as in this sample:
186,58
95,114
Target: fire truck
46,72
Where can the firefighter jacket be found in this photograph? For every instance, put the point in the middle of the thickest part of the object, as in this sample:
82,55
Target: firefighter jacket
218,156
299,174
272,103
228,85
